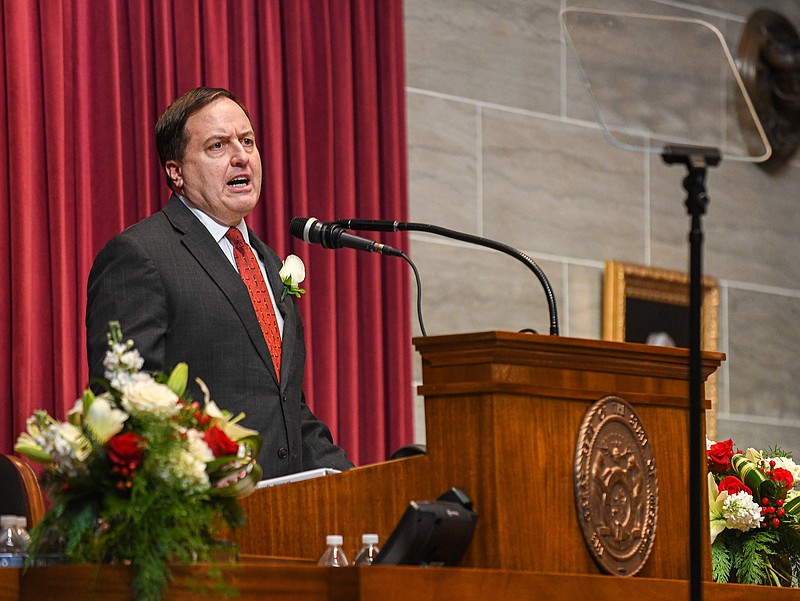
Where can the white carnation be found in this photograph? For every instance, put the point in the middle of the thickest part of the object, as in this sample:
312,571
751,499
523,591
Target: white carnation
142,394
741,512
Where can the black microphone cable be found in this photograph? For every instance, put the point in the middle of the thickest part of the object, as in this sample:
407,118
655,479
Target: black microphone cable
399,226
332,235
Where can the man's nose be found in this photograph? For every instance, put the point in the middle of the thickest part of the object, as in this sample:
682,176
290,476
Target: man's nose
239,155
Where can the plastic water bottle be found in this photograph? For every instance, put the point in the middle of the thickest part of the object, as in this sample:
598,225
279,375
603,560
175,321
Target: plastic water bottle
334,556
11,553
22,533
369,550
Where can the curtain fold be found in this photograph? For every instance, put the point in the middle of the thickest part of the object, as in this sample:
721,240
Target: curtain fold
83,84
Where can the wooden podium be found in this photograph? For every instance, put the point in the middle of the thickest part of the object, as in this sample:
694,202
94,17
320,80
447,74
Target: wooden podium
503,412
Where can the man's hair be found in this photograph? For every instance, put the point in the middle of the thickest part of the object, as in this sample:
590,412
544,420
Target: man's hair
171,137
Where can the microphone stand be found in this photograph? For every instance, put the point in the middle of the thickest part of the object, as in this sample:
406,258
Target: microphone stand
696,159
397,226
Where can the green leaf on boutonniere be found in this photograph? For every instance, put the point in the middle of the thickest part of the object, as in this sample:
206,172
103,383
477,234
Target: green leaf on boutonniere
291,289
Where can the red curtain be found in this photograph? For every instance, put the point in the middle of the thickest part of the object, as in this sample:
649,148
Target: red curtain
83,84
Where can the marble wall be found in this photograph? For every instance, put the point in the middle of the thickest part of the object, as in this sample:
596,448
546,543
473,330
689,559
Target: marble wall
503,144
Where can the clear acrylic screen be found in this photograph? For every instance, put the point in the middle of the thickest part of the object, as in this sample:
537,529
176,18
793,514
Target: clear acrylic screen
660,80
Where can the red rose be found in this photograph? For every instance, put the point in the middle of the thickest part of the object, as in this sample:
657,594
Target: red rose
719,456
219,442
733,485
782,476
126,449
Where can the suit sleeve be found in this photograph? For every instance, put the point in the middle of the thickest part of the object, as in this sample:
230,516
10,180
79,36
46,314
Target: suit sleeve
318,447
125,286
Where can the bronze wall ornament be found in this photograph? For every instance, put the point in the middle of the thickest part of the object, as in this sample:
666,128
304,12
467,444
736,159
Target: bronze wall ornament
769,62
616,487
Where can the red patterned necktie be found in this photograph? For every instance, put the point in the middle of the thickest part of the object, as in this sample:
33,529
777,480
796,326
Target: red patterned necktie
252,277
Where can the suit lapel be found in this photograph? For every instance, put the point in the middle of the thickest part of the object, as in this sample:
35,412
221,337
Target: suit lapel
199,242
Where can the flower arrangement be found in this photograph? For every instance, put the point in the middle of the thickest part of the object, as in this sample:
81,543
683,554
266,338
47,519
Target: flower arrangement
292,273
139,474
754,509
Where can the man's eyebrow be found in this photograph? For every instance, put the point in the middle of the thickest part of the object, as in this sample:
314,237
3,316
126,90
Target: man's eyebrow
249,133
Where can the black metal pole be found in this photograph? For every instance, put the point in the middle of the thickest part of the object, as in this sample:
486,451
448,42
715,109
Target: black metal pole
696,434
696,160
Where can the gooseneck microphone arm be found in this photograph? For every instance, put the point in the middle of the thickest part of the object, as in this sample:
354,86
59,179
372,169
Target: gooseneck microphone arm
332,235
377,225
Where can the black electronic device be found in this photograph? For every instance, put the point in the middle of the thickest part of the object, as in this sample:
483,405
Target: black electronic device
432,533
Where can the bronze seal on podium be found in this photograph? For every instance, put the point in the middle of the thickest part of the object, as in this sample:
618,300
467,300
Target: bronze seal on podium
616,487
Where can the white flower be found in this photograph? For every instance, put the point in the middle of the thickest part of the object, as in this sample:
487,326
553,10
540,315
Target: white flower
188,466
293,268
716,501
741,512
292,273
229,425
737,511
65,444
142,394
754,455
122,361
75,415
104,420
198,447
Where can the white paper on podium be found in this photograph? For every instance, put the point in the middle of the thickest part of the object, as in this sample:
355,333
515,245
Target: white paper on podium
298,477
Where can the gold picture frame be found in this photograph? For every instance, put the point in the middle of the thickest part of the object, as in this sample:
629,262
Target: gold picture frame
631,293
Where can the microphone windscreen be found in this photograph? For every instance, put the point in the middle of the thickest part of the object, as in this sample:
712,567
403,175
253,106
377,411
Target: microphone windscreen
297,225
301,227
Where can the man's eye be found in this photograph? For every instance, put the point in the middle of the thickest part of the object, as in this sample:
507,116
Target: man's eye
248,141
216,146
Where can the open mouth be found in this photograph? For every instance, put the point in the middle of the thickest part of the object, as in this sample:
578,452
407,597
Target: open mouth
239,182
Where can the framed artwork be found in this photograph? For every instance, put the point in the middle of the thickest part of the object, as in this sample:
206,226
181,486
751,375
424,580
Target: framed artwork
651,305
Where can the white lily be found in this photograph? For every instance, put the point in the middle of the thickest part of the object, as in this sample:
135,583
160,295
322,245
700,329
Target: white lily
716,503
104,420
228,424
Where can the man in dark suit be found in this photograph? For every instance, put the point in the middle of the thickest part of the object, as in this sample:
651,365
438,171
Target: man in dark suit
172,282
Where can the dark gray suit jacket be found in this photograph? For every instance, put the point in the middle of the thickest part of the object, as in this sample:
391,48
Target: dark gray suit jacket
177,296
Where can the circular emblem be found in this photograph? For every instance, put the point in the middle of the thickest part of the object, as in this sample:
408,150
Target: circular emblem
616,487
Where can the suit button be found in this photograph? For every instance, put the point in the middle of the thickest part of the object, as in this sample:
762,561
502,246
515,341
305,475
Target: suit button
283,397
282,453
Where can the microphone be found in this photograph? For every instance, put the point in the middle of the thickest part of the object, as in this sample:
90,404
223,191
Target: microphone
372,225
333,235
384,225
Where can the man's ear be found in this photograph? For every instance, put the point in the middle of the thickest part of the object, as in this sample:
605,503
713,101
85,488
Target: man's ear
174,174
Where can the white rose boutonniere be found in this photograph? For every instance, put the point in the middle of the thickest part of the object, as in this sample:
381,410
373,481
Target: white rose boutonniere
293,272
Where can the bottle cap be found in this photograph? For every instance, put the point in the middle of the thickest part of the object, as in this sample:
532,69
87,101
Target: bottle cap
22,521
369,539
8,520
333,539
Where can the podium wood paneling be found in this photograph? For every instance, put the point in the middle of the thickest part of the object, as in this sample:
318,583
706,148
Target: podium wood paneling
502,413
258,582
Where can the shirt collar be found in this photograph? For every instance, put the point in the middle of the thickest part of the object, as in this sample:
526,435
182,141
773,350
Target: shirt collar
216,229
